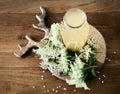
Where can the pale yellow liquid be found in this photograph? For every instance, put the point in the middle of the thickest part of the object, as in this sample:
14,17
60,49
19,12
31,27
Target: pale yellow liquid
74,18
74,38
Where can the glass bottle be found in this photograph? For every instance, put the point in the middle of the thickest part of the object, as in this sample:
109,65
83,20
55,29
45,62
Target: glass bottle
74,29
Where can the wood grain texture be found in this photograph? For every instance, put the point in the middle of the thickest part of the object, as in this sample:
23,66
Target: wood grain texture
101,55
19,76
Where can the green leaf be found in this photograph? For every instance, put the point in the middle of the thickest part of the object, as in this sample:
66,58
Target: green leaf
93,71
91,60
85,77
87,68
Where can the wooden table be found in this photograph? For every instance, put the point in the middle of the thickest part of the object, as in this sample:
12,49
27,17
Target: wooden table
24,76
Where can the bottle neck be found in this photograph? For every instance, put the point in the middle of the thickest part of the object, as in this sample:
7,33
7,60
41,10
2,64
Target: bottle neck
74,18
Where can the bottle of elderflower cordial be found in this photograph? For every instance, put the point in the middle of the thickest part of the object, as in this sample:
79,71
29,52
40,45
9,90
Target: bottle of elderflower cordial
74,29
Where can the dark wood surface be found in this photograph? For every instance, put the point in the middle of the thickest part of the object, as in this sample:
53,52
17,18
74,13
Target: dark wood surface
23,76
